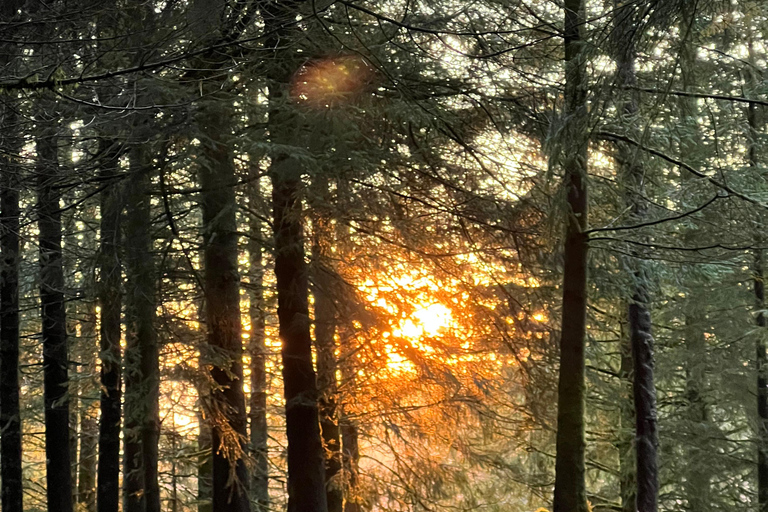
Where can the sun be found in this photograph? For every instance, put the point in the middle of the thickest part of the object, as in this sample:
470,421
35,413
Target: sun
431,320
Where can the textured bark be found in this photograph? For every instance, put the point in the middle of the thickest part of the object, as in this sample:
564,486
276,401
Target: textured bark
570,487
641,340
142,371
53,316
204,465
10,419
110,271
258,353
306,474
222,299
325,345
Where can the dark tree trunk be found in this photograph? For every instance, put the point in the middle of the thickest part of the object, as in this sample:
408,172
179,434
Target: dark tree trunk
108,477
306,467
258,352
570,491
10,184
325,344
222,299
142,371
639,317
54,332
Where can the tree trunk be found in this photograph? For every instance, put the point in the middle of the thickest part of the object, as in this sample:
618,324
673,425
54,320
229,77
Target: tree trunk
222,299
325,344
306,473
10,419
108,490
626,446
89,417
258,352
349,434
204,464
142,371
570,491
54,332
641,340
754,119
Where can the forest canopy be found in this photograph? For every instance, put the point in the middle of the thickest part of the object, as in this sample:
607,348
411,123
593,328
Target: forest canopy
410,255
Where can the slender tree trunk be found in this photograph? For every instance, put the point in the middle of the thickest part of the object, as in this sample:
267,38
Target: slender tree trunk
142,370
570,491
626,446
258,352
639,316
754,119
349,430
222,299
55,357
204,464
89,418
10,419
697,479
325,344
110,271
306,473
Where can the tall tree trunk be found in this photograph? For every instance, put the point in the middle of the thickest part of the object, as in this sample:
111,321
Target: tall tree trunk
89,416
325,344
570,491
349,430
222,299
306,466
55,357
110,278
639,317
142,370
697,481
258,352
10,419
754,120
204,463
626,446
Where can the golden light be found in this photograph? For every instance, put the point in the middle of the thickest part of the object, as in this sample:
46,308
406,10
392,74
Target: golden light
330,81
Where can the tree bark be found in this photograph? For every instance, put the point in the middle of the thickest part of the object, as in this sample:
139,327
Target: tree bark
325,344
222,299
54,331
258,352
639,316
626,446
570,487
306,473
110,272
142,370
10,419
89,416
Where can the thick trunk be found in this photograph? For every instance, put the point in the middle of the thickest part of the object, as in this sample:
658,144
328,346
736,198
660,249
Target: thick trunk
306,466
142,371
641,340
258,353
570,491
222,299
325,344
10,441
54,331
108,490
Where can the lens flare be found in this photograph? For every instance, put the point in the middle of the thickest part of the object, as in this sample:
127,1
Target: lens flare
331,81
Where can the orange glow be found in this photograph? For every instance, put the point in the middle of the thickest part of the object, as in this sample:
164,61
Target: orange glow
330,81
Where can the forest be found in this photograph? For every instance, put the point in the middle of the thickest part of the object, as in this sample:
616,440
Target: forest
383,256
